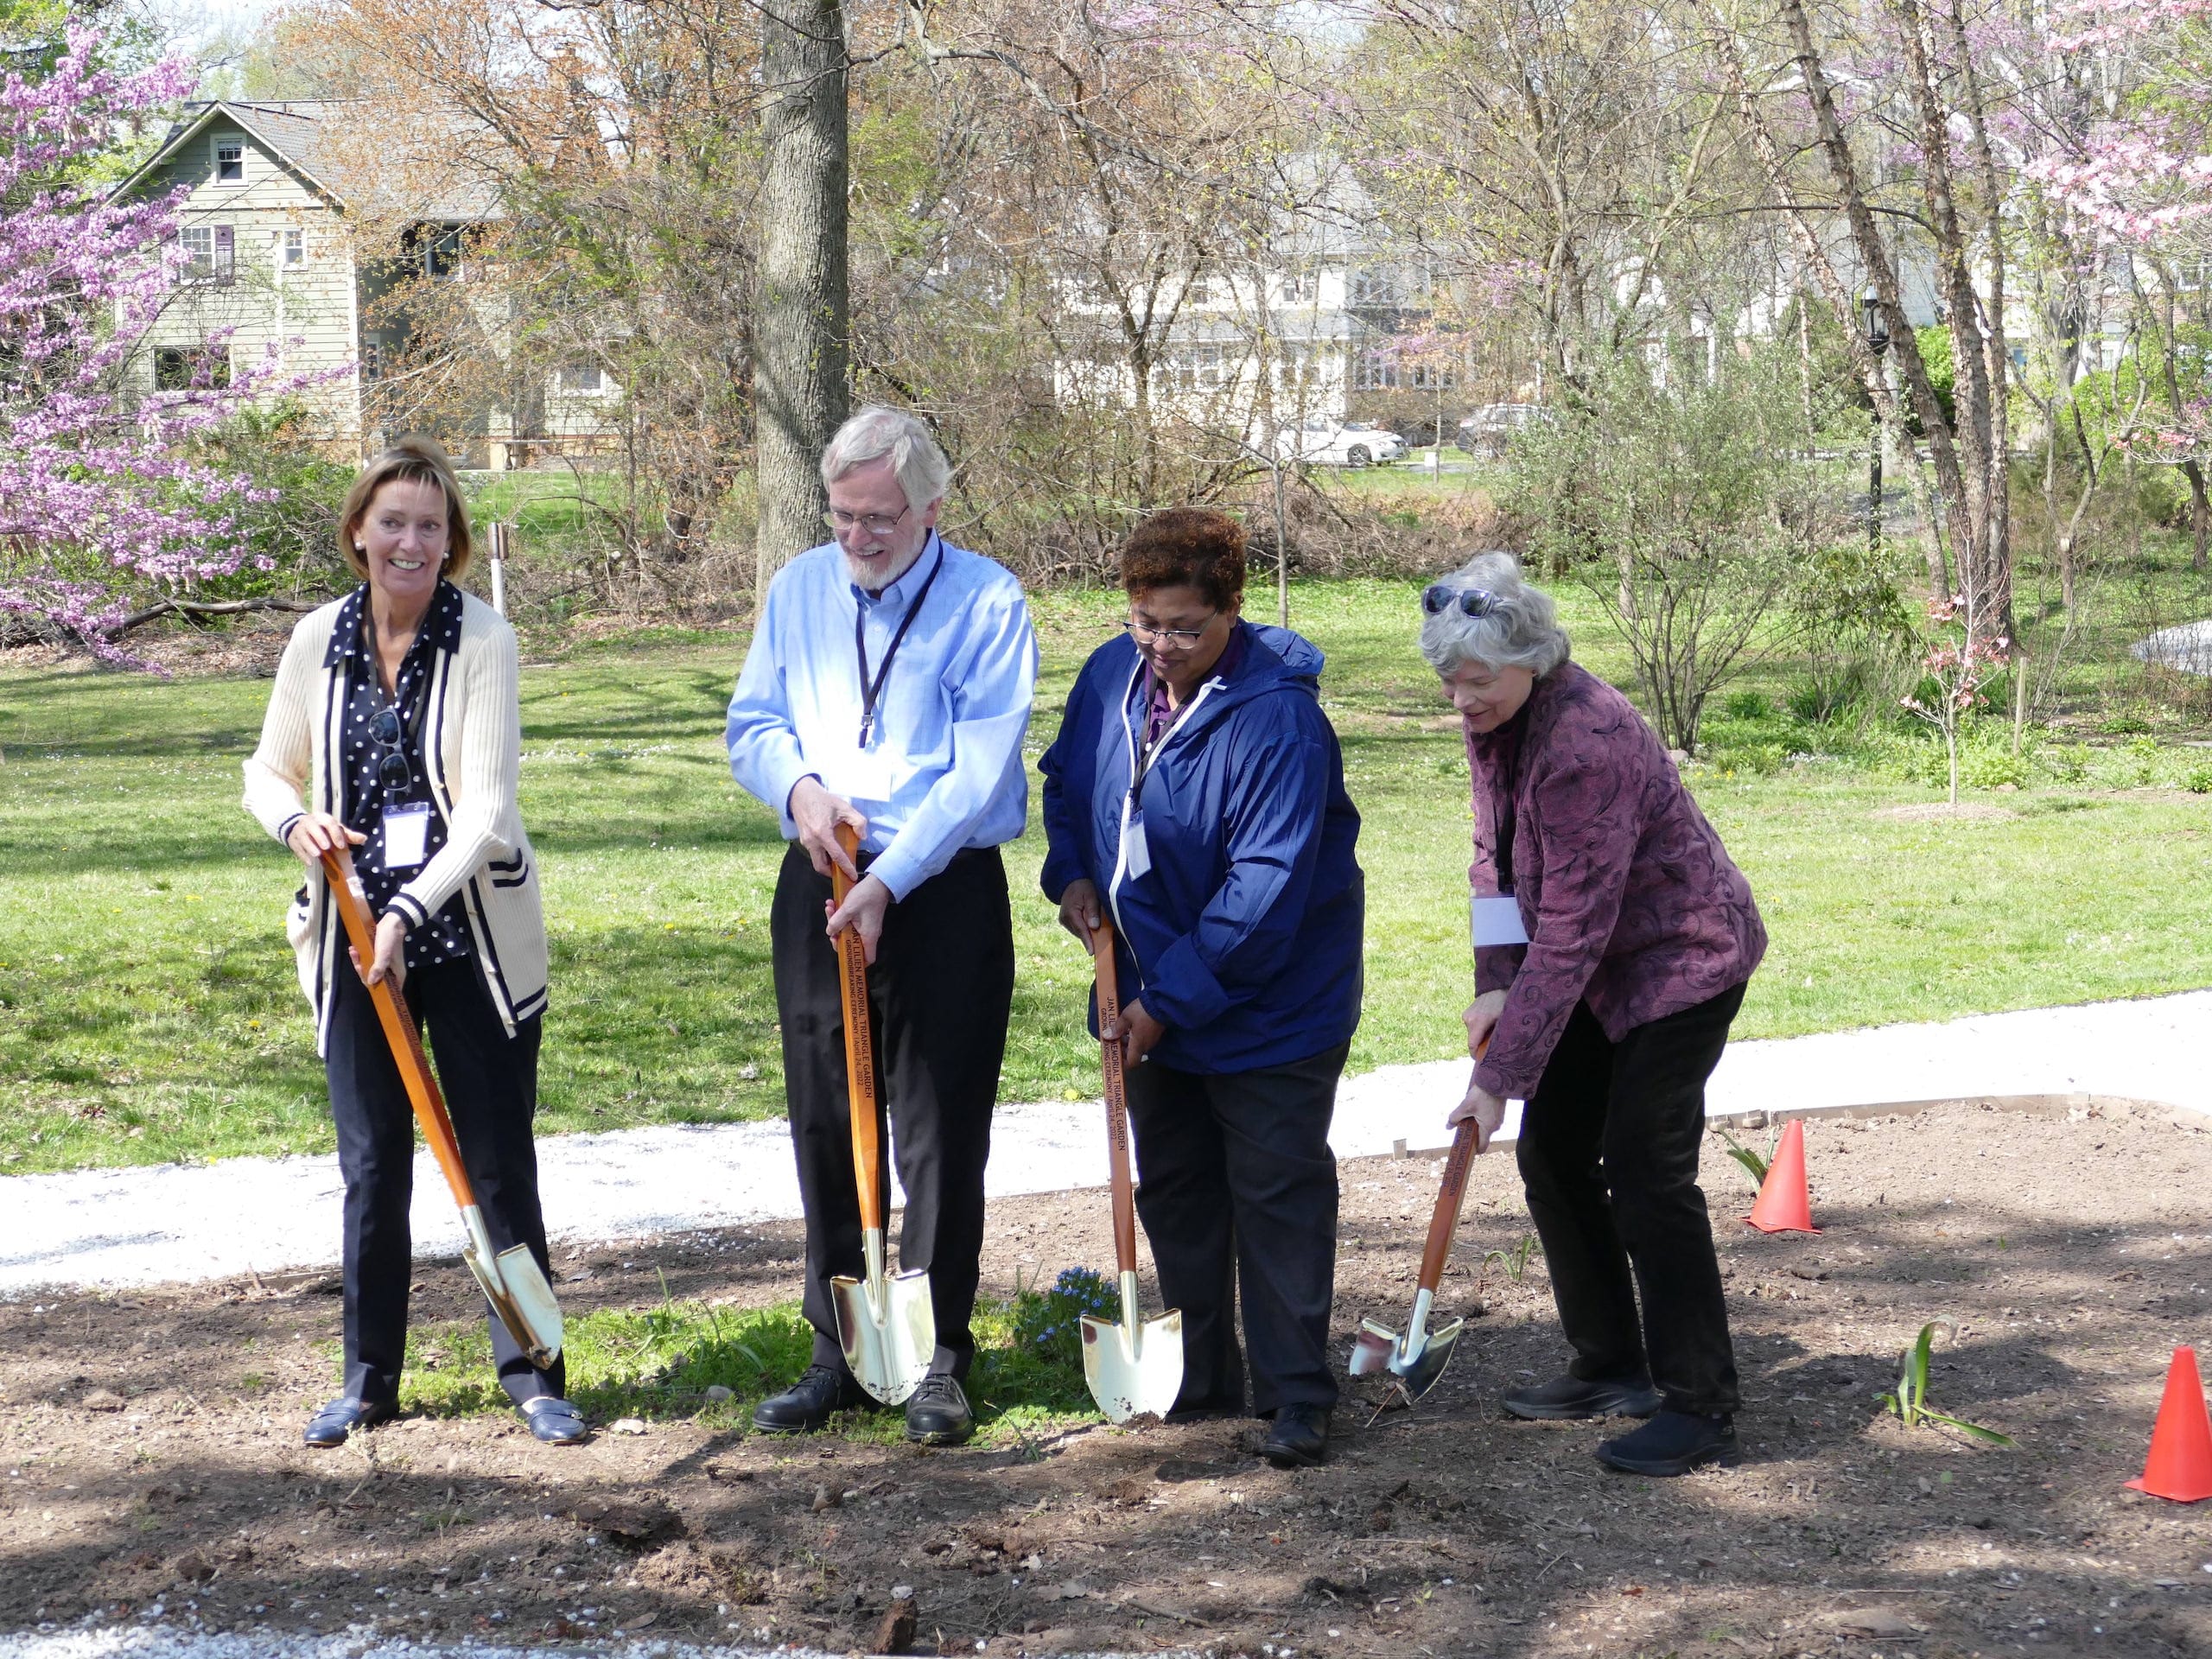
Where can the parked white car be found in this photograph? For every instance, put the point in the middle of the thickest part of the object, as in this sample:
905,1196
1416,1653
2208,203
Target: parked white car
1490,429
1339,443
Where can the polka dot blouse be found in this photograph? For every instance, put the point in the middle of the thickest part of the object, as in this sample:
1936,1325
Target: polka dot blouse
362,760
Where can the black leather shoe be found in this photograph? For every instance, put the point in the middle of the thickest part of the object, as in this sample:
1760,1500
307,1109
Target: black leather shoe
1299,1437
819,1395
554,1420
938,1414
1565,1399
1672,1443
333,1422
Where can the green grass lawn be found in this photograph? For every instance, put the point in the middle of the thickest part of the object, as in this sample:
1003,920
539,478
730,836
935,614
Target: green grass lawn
149,1008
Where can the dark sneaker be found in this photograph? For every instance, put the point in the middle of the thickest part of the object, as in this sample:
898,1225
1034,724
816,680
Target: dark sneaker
1298,1438
334,1421
938,1414
819,1395
1567,1399
1672,1443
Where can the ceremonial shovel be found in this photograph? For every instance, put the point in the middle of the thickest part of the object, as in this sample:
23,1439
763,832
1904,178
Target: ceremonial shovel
1135,1367
886,1324
1418,1357
513,1282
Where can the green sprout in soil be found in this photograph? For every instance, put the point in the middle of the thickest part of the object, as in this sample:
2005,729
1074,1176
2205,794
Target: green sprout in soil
1910,1402
1754,1164
1514,1260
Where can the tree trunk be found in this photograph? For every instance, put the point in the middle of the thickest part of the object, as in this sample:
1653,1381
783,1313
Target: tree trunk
2200,515
800,343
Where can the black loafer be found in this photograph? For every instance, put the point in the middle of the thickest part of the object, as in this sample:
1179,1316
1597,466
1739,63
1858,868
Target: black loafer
1299,1437
938,1414
554,1420
333,1422
1568,1399
819,1395
1672,1443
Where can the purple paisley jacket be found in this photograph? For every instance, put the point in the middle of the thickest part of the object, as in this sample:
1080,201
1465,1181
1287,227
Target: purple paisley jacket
1629,901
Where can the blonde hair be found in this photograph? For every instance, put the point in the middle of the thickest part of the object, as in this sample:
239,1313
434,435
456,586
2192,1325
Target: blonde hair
411,460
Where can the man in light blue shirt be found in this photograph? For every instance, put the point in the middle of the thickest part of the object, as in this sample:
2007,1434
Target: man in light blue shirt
888,686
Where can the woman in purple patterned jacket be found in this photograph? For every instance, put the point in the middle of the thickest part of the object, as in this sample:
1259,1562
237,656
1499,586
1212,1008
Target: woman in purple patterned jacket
1613,938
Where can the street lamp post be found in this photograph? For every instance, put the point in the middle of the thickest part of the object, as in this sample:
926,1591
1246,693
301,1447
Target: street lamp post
1878,341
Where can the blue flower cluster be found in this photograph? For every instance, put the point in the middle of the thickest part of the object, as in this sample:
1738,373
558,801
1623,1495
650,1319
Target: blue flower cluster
1053,1320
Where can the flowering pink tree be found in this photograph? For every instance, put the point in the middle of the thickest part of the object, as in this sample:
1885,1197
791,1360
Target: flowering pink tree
1960,663
101,497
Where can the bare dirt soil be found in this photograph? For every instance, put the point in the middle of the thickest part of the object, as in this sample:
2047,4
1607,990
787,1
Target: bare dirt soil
151,1468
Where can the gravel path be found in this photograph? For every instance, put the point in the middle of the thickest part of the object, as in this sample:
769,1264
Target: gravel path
166,1223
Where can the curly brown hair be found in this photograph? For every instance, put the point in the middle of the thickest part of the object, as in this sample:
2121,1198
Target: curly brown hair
1192,547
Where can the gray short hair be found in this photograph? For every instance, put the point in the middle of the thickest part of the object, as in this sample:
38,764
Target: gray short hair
1519,629
876,433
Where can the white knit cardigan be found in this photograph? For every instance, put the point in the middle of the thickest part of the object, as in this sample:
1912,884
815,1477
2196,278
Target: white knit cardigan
472,735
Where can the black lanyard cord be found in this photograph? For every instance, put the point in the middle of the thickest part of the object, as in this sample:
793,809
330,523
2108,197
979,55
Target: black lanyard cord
871,690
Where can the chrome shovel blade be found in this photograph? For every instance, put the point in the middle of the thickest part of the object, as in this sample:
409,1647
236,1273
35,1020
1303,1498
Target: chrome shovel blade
1371,1349
886,1325
1134,1372
1417,1373
515,1286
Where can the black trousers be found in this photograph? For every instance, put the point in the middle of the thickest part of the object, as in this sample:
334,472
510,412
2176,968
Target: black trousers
939,995
1608,1154
1237,1191
490,1083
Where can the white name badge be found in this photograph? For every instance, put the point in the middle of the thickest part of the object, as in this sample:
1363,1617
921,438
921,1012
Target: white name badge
1496,920
862,775
406,835
1136,854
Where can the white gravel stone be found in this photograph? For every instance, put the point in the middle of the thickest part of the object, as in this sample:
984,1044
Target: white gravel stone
2188,648
164,1222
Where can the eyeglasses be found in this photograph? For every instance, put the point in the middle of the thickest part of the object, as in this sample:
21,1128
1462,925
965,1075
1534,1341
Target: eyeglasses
392,769
1472,602
1174,639
875,525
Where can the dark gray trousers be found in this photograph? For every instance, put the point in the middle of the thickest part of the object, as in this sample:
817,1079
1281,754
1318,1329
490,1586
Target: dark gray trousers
939,995
1237,1191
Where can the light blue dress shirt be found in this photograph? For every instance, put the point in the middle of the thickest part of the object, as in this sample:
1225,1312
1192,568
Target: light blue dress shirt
943,770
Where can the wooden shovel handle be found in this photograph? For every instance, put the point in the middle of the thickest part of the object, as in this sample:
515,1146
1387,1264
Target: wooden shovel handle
1443,1221
399,1031
859,1050
1117,1106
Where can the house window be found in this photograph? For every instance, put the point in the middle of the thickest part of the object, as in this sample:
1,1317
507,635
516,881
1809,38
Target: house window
230,161
582,376
1199,291
1433,377
210,252
1375,372
1375,285
1192,368
441,254
183,368
291,248
1299,286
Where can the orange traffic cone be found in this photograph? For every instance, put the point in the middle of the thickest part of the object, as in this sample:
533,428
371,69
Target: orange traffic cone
1785,1203
2180,1463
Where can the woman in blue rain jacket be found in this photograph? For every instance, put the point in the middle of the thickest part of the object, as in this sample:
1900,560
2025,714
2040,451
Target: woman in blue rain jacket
1195,795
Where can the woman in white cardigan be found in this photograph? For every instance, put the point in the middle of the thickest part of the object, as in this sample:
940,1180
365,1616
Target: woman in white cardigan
394,729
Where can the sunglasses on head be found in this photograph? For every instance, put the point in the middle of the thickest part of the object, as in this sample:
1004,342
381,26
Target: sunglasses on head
392,769
1472,602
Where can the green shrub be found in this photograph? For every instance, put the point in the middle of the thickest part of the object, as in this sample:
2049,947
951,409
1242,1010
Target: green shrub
2197,780
1051,1321
2068,762
1989,767
2122,725
1749,705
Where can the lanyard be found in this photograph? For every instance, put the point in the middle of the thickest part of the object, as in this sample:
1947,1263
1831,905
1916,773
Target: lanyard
1508,820
1148,748
871,691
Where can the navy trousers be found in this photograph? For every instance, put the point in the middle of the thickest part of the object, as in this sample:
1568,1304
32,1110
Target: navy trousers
490,1083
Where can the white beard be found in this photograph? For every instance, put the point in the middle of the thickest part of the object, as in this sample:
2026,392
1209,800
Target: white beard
877,580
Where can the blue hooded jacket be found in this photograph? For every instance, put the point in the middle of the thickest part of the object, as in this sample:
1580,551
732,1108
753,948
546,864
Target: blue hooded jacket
1243,938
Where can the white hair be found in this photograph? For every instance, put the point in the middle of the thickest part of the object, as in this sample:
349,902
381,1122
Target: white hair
875,433
1518,627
